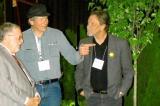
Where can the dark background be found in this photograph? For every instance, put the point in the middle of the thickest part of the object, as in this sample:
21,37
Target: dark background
64,13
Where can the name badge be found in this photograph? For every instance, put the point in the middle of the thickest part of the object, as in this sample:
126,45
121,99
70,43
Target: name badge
43,65
98,64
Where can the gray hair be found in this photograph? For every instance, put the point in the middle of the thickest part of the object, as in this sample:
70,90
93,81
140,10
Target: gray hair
7,27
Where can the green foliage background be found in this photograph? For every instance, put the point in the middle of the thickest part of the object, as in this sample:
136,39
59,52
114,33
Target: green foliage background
138,21
135,20
149,74
68,82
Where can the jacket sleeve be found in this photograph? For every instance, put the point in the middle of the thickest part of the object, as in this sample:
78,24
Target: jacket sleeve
7,87
127,67
79,74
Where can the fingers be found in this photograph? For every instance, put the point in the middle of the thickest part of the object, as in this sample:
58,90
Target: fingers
88,45
82,93
37,100
33,101
84,49
37,95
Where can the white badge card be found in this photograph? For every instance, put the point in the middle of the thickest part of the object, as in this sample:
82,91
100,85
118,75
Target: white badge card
43,65
98,64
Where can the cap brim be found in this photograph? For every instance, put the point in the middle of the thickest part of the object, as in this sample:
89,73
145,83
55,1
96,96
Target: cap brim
33,15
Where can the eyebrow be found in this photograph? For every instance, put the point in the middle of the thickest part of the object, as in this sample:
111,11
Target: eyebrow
10,35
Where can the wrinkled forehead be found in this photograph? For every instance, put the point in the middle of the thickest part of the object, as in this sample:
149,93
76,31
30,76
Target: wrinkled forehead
14,32
8,28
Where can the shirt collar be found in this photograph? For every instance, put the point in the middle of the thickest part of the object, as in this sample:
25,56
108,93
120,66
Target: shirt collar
7,49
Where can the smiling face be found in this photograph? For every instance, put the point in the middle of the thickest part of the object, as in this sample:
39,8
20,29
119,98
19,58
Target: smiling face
39,23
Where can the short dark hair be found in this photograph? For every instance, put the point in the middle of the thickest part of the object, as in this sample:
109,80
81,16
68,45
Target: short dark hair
102,16
6,27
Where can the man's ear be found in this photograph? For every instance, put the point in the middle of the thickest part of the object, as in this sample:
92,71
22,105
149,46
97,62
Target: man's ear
30,21
103,27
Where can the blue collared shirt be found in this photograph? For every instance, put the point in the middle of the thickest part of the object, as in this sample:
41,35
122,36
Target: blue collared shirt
53,44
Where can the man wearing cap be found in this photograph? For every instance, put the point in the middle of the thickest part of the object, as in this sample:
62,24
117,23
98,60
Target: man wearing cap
41,51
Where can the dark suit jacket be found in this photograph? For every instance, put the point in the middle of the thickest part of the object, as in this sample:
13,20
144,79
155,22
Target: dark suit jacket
120,70
14,85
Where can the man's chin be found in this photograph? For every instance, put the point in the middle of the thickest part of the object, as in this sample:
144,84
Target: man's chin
89,34
45,28
17,50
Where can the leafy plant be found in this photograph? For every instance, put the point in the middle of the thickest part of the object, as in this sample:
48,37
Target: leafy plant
68,82
135,20
148,72
72,103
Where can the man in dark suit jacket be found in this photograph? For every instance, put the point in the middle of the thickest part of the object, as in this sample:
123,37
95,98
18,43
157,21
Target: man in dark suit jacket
106,73
16,86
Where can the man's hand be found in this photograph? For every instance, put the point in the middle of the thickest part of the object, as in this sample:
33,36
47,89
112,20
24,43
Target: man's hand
82,93
34,101
84,48
119,95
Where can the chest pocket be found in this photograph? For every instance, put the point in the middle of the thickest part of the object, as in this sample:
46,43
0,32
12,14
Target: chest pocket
53,49
29,54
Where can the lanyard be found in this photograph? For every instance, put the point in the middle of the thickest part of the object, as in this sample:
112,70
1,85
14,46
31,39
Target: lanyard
39,47
103,53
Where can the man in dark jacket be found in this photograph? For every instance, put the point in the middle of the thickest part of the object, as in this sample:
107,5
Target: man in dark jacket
106,73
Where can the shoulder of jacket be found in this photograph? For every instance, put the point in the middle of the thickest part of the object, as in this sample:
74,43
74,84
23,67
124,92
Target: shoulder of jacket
116,38
53,30
27,32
